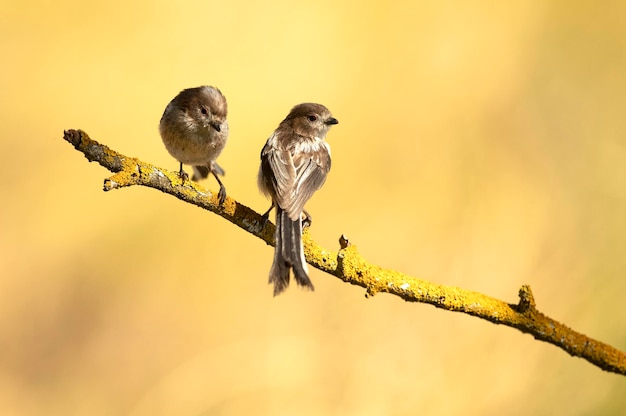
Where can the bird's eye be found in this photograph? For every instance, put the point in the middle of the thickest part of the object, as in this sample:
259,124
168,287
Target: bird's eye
312,117
204,111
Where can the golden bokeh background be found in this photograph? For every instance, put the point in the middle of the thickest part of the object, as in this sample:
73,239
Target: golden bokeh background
479,145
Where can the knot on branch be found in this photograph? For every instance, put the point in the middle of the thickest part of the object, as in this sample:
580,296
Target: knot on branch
344,242
341,257
526,300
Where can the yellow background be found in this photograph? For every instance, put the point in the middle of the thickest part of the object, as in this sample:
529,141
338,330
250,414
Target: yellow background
479,145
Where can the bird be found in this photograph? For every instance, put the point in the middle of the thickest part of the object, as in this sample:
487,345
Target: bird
294,164
194,130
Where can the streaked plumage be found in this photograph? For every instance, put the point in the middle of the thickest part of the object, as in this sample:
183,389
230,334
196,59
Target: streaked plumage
294,164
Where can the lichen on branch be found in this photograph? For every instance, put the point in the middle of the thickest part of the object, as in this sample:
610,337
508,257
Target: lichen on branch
348,265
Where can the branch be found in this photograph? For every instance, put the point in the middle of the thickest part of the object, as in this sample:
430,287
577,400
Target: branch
348,265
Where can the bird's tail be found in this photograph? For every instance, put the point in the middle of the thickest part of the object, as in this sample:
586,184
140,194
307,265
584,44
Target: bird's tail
202,171
288,254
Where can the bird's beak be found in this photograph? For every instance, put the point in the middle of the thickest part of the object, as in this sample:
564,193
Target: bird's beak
217,126
331,121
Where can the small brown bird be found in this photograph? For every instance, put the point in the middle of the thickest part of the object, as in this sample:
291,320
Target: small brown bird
194,130
294,164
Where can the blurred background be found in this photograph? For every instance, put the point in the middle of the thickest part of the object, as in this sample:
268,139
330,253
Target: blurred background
479,145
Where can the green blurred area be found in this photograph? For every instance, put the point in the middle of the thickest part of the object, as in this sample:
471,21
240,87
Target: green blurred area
479,145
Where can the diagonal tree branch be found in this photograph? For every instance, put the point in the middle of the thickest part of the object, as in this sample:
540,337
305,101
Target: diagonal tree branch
348,265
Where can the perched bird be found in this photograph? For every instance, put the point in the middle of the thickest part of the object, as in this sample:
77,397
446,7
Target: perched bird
194,130
294,164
